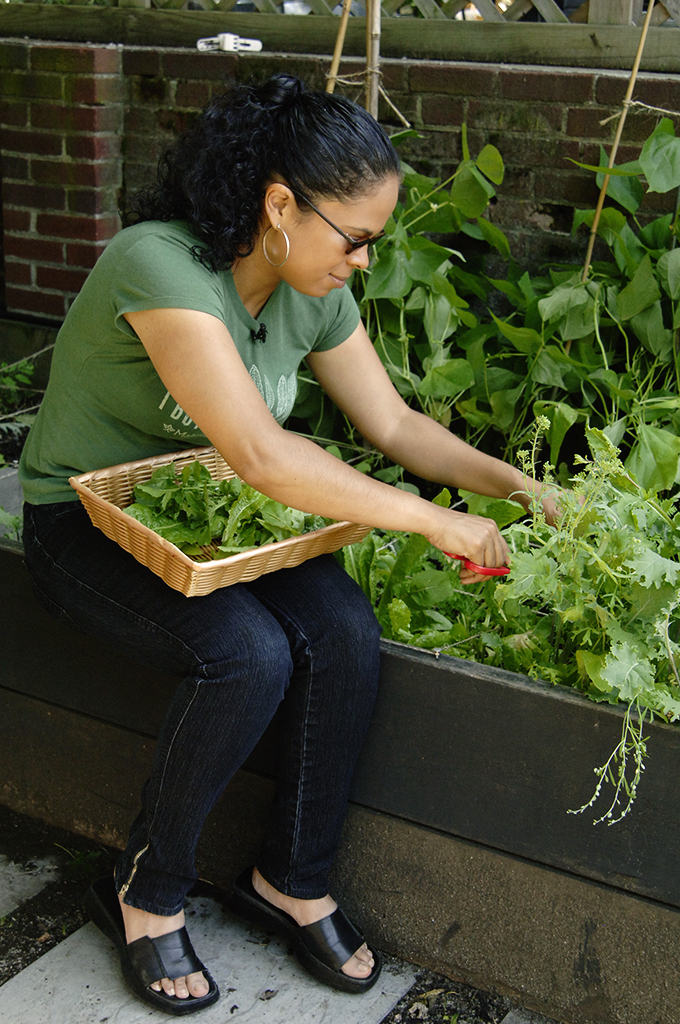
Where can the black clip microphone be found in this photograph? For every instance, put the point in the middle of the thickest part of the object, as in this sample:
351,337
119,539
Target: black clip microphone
260,335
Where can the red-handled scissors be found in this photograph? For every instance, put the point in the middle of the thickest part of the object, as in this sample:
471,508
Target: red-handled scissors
483,570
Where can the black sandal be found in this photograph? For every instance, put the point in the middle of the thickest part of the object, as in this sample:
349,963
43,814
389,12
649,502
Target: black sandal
147,960
322,948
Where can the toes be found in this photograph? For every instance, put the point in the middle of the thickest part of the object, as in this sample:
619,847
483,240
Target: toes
181,990
361,964
364,955
193,985
168,986
197,985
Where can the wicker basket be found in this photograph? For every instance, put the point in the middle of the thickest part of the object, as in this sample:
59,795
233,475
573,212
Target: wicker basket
106,492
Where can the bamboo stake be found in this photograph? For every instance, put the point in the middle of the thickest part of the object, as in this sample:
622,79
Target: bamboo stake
617,139
339,43
373,12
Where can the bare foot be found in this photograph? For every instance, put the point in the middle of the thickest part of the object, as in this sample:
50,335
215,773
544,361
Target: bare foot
138,924
307,912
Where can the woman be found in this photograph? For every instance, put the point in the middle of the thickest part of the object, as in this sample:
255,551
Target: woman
190,330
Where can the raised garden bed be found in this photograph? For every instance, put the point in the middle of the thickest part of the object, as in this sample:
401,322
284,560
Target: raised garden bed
464,764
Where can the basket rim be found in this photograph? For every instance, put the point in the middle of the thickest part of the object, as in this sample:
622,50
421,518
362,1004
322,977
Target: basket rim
153,461
81,484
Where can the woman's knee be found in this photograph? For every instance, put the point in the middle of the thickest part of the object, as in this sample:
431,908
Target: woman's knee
350,613
258,652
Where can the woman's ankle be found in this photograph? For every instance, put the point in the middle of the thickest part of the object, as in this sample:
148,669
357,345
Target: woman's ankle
139,923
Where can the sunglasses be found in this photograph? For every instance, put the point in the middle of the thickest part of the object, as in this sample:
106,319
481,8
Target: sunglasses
352,243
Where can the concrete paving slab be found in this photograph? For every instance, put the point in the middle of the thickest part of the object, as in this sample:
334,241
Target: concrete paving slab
11,495
527,1017
19,883
79,982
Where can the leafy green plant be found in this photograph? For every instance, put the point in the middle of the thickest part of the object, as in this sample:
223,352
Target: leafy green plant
600,352
11,523
414,299
15,391
15,380
208,519
593,603
603,351
82,865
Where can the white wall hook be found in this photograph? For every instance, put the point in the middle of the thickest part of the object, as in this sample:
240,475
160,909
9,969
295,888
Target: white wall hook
229,41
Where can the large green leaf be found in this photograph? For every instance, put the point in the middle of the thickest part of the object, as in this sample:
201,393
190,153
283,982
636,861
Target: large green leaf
442,286
628,251
616,431
579,321
668,269
504,404
420,183
623,170
469,193
562,417
388,278
660,158
404,133
627,671
501,510
399,616
490,162
655,459
626,190
591,665
616,385
561,299
653,570
448,380
495,237
495,378
426,258
416,300
649,328
657,234
609,226
471,414
525,339
549,367
642,291
430,587
441,318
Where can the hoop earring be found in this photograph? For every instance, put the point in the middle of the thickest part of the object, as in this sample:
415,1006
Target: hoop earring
264,246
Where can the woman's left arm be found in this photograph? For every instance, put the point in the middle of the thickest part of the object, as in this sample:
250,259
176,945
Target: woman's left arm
355,379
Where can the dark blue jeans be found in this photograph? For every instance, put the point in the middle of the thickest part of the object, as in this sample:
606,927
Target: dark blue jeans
304,639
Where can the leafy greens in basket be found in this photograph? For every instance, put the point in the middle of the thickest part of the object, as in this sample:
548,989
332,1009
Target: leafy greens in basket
207,518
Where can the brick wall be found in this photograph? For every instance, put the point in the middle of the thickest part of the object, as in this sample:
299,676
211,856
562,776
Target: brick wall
541,119
78,123
61,116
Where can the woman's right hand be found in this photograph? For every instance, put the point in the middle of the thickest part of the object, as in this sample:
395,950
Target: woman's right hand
475,537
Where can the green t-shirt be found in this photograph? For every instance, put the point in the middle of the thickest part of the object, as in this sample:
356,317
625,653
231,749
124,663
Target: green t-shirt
105,404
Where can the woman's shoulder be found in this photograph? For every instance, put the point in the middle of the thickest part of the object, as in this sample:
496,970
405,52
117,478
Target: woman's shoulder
149,262
150,234
160,252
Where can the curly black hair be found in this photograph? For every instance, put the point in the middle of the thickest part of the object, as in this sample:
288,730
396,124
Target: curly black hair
215,174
